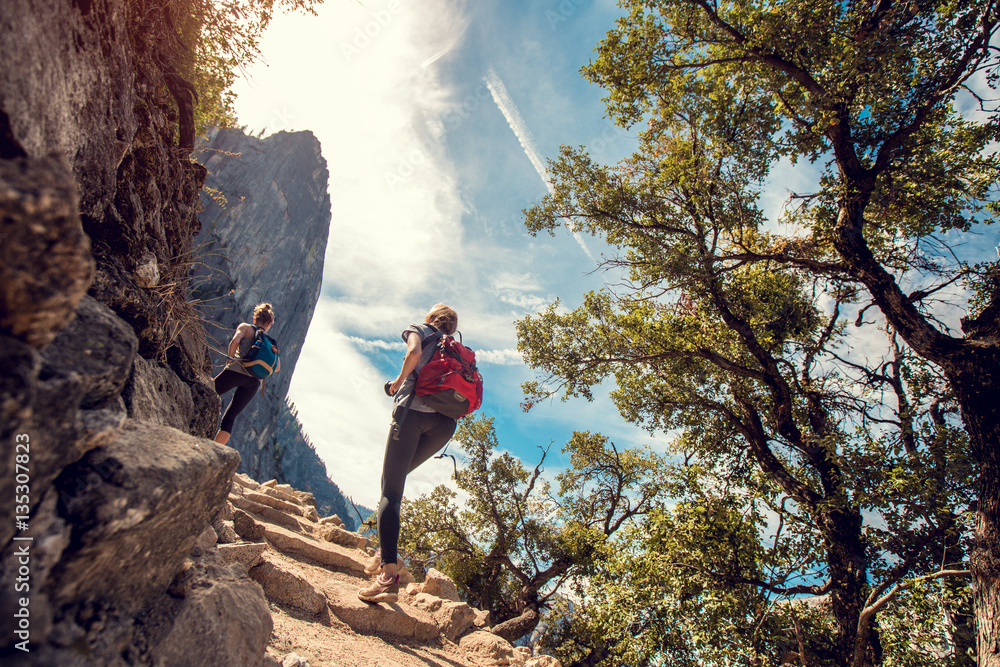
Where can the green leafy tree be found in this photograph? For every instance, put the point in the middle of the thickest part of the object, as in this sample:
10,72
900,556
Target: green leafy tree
692,584
658,600
714,335
517,541
867,92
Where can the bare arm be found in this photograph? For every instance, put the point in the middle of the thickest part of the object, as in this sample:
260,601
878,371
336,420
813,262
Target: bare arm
410,361
241,331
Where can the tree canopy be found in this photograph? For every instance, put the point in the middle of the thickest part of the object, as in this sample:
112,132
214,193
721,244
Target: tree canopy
735,334
518,540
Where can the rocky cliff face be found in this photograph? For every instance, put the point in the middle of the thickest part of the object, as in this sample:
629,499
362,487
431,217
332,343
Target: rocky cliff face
110,554
105,386
85,84
265,225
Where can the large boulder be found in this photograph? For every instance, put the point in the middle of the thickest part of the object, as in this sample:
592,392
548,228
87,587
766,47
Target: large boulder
136,507
491,647
155,394
440,585
98,346
221,618
454,618
84,366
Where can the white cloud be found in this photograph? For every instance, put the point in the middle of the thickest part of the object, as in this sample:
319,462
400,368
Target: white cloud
521,281
358,79
509,357
518,290
366,345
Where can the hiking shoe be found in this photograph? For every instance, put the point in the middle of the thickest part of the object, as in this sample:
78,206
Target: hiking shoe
375,563
381,591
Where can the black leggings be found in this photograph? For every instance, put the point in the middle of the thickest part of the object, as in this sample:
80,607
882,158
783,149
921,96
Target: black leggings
245,386
421,435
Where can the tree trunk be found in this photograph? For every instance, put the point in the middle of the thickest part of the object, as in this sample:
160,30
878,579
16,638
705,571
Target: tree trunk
849,577
977,387
972,366
518,626
184,94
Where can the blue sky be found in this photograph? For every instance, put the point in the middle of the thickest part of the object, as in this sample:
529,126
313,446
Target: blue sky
436,120
436,123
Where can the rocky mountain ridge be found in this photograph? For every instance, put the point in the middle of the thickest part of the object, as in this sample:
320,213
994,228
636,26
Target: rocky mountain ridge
265,225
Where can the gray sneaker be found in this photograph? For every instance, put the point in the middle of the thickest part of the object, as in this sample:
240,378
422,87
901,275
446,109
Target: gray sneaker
381,591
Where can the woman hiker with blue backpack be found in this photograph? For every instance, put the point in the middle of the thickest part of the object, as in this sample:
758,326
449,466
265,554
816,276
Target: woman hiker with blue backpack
245,370
437,383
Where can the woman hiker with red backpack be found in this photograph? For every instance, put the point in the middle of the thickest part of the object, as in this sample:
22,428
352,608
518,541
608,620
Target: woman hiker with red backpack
235,375
418,432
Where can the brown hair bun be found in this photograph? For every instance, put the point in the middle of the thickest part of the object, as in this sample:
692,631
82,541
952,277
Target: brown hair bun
263,314
443,318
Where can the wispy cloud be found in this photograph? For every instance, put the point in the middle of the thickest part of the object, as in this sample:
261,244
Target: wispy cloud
505,357
430,61
366,345
509,357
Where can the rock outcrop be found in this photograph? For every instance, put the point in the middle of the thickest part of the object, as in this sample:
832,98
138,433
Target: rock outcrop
100,554
264,234
83,91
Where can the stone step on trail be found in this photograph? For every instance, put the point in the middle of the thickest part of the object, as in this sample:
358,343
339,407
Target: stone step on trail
327,554
247,553
271,515
332,533
275,503
273,489
305,570
286,584
368,618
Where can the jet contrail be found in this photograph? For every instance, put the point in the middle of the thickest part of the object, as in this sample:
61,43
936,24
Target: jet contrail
523,134
516,122
435,57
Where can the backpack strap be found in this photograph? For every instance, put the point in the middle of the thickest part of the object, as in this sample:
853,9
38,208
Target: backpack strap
432,338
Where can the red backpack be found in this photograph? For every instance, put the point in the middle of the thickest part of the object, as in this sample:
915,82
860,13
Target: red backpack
450,382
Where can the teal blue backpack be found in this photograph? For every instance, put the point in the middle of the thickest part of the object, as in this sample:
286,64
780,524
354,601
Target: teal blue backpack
262,358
